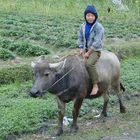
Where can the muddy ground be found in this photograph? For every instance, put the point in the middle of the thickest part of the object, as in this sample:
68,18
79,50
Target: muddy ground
116,126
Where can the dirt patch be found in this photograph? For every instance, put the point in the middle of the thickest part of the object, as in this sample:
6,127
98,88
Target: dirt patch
119,138
114,127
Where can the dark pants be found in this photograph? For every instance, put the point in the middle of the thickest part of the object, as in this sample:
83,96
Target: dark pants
90,64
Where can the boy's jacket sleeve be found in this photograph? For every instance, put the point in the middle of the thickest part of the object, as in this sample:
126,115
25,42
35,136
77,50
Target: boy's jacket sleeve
80,41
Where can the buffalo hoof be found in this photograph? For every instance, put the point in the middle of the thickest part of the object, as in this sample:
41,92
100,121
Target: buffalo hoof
104,114
73,129
59,132
122,109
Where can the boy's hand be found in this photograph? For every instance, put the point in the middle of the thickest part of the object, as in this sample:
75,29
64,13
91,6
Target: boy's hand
86,55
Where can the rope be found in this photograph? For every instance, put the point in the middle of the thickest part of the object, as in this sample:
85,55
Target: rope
60,78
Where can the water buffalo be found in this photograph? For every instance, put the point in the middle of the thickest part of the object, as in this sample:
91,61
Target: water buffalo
69,80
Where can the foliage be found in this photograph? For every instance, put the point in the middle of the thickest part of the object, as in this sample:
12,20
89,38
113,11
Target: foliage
5,54
63,7
126,50
23,48
131,74
36,34
38,37
15,74
24,115
20,113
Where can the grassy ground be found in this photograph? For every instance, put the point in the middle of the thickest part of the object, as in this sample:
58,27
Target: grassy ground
51,7
116,126
26,32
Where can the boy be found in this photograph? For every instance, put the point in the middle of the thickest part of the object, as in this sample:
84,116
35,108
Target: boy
90,43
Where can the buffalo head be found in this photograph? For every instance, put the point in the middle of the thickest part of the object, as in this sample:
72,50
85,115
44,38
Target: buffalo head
45,75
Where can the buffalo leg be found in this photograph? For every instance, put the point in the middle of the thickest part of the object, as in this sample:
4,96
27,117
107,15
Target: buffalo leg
119,94
122,107
106,99
61,107
76,109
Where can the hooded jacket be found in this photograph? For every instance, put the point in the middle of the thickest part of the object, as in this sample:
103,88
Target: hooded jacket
95,35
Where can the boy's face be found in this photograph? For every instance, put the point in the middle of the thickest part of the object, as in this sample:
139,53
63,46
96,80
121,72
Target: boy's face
90,17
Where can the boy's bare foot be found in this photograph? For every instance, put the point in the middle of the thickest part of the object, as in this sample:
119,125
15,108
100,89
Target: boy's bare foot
94,90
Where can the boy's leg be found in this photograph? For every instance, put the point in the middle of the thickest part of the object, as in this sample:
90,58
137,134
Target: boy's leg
92,70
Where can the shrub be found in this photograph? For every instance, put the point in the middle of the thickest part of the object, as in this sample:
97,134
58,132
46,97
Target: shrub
36,51
5,54
23,48
15,74
27,49
125,51
12,33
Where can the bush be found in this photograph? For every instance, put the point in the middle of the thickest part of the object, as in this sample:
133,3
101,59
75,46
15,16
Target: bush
26,49
125,51
130,71
23,48
15,74
12,33
5,54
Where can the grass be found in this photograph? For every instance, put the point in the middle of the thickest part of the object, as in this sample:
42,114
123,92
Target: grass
46,26
131,74
19,113
33,35
62,7
123,48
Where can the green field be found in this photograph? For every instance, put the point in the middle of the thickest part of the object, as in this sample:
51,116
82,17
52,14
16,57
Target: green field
34,33
29,29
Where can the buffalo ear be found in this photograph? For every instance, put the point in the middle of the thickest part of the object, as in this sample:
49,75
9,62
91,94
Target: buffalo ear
33,64
41,58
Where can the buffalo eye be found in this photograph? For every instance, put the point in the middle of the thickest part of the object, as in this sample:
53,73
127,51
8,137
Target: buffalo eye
46,73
